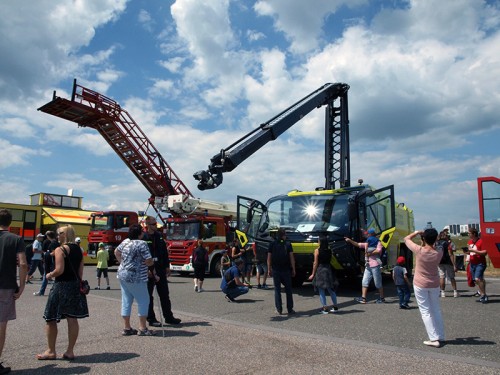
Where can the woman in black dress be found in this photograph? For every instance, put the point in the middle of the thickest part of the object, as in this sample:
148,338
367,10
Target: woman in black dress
65,300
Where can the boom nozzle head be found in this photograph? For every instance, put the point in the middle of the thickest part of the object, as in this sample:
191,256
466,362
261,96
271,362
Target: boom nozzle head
207,179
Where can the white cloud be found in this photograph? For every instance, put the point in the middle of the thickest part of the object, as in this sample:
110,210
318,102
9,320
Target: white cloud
302,23
39,40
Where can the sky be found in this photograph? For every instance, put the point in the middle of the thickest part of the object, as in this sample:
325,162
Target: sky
424,98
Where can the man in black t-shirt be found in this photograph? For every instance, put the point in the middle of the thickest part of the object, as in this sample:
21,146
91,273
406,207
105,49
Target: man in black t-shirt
12,256
447,266
281,266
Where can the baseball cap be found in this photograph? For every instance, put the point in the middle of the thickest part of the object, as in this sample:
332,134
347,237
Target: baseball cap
39,235
78,239
371,231
101,244
401,260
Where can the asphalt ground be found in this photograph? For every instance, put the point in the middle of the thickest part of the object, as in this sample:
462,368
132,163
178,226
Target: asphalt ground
247,337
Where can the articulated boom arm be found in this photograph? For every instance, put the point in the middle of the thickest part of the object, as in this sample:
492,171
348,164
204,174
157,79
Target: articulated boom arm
90,109
337,164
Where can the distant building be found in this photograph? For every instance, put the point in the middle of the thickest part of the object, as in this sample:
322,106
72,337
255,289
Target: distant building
456,229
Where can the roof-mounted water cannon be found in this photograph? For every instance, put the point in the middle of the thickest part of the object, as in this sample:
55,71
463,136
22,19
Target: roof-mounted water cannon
209,179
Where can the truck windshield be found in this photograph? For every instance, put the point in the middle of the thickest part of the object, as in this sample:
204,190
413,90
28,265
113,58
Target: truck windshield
183,230
102,222
309,213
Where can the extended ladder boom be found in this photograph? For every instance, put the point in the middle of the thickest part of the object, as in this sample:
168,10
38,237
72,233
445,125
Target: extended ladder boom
88,108
337,160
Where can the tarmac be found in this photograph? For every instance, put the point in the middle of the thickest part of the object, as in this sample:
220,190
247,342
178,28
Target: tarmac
207,344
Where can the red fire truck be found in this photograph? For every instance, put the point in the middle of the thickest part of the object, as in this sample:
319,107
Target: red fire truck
186,219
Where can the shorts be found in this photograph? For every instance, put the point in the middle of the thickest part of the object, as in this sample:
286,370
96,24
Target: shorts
372,273
262,268
7,305
477,271
103,272
446,271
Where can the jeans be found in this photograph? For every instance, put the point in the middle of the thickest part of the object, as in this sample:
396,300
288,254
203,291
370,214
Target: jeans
137,291
322,296
44,284
372,273
430,310
477,271
36,263
282,277
236,291
403,294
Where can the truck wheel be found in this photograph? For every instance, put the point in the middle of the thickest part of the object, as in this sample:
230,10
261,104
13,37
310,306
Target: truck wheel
215,267
299,279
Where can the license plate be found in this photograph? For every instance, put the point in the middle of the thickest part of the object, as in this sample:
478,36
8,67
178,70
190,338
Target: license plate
176,268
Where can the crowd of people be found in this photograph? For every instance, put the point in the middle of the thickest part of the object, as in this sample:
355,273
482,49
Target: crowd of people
144,268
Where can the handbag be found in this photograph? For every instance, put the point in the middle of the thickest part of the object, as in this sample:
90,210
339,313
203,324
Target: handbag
84,287
470,278
84,284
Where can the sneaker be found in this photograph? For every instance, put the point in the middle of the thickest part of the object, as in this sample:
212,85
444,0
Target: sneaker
155,324
442,294
259,286
37,294
485,299
435,344
455,294
477,294
228,299
200,290
404,307
97,288
108,288
380,300
323,311
172,320
145,332
129,332
3,369
481,299
334,309
291,312
196,288
360,300
264,286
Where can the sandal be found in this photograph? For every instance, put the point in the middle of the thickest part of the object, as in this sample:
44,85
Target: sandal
146,332
46,357
129,332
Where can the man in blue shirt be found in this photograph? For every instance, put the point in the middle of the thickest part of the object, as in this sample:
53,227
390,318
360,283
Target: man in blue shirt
231,284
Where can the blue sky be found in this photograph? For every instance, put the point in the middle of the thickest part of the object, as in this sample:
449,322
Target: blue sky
197,75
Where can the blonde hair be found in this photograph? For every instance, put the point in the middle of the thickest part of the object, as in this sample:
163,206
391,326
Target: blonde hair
69,232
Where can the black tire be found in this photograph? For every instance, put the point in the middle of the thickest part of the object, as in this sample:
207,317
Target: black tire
215,267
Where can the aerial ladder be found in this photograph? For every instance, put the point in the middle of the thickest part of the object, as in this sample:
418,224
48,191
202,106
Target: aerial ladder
190,218
91,109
